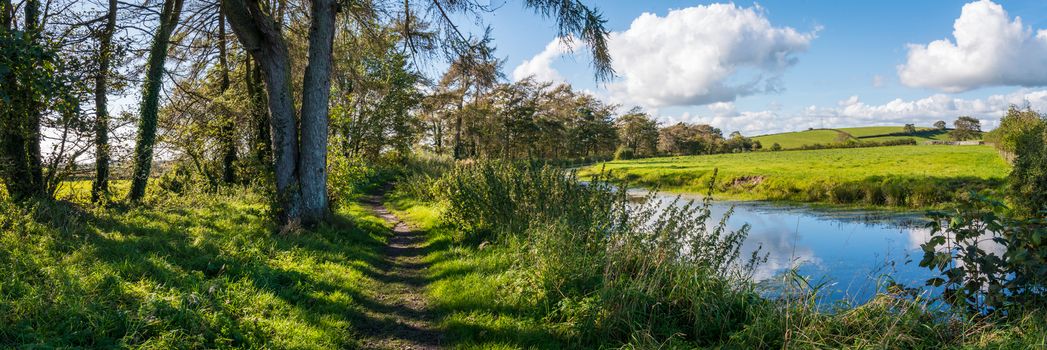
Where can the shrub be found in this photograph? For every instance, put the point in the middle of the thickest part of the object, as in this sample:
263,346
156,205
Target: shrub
347,178
1028,180
1014,126
990,262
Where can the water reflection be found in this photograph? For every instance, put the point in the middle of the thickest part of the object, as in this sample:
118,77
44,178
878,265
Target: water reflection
852,251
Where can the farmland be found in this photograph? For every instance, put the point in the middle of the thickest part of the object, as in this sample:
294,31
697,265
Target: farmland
798,139
901,176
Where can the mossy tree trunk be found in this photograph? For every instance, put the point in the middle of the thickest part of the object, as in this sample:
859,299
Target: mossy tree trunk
228,133
263,143
21,162
143,152
100,186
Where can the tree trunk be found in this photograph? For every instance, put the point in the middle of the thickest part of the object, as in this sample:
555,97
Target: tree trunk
228,132
100,187
316,93
20,138
458,130
263,143
261,36
143,153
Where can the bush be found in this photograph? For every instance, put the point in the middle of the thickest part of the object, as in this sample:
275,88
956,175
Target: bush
347,178
990,262
1028,180
1013,127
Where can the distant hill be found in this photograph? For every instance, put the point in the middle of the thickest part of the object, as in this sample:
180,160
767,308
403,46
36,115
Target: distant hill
793,140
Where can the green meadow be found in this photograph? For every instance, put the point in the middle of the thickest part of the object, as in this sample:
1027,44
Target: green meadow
798,139
899,176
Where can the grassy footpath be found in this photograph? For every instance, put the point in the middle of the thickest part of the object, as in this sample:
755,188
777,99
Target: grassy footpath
898,176
200,271
469,285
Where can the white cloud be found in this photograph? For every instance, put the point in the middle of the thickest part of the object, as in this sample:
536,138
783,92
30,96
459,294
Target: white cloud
702,54
694,56
540,66
878,81
989,49
852,112
925,111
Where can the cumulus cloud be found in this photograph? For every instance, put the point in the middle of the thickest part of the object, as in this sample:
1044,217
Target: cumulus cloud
693,56
702,54
989,49
853,112
926,110
540,66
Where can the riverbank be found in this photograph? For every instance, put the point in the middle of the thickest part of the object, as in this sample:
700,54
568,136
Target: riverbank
900,177
513,276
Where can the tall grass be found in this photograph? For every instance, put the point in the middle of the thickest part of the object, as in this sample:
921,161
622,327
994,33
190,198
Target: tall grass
587,266
604,267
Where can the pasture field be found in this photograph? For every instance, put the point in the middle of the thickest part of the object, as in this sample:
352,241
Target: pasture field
795,140
899,176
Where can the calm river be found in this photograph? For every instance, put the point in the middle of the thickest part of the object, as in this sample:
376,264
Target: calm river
851,252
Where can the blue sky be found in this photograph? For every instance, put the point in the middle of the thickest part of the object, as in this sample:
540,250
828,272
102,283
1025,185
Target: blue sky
811,63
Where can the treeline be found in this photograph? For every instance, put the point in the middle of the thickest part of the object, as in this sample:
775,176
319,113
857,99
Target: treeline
540,121
273,93
855,144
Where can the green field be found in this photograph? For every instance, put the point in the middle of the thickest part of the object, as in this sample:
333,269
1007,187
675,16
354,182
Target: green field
903,176
794,140
200,271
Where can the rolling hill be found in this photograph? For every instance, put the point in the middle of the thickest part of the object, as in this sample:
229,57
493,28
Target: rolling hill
794,140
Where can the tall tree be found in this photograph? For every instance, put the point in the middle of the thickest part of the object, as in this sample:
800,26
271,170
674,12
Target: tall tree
316,96
262,144
228,132
143,153
638,132
966,128
261,34
100,186
299,164
21,106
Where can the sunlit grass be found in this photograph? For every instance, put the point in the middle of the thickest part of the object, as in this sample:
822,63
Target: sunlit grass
467,286
486,299
923,175
197,271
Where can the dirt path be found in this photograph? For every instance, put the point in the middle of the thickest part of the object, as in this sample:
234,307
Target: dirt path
407,322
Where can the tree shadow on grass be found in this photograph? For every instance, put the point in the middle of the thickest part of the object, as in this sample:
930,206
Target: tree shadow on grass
198,276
